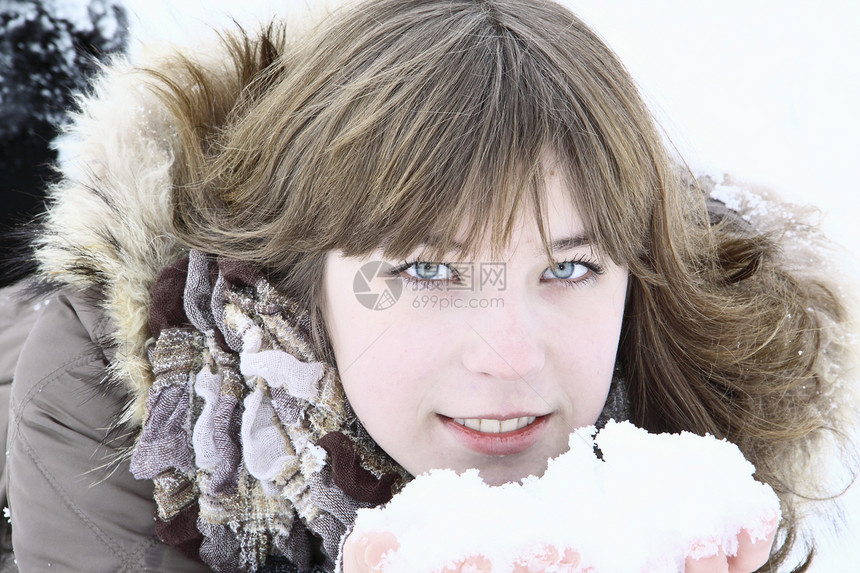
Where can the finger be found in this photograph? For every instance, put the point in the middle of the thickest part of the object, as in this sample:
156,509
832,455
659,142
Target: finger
353,554
378,546
712,564
569,561
752,553
476,564
538,560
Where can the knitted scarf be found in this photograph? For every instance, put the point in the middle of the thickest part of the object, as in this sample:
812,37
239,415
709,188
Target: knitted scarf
249,439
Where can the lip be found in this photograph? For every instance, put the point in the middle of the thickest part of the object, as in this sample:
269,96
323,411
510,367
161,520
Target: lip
502,444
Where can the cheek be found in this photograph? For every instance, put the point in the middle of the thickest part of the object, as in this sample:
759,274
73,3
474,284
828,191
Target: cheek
392,387
585,352
388,361
586,361
592,328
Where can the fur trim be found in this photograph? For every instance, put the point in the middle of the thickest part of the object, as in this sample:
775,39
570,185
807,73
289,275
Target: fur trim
109,220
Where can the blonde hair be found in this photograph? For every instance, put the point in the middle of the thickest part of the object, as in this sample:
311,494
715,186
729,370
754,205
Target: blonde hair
398,117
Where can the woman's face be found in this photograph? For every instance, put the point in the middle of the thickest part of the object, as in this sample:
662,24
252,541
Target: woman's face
486,364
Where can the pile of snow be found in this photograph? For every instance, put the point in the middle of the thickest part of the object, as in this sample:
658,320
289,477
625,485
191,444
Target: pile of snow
660,496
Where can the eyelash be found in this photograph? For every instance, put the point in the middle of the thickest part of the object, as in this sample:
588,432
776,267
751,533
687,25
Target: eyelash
400,270
594,270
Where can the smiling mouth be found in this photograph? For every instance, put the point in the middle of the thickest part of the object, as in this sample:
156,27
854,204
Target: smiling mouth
493,426
495,437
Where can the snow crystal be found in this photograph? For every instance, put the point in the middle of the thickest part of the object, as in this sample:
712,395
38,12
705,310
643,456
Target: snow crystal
661,494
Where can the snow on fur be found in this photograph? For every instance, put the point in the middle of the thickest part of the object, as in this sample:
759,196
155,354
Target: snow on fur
659,495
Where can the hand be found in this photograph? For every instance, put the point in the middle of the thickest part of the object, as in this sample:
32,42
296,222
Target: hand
364,553
751,555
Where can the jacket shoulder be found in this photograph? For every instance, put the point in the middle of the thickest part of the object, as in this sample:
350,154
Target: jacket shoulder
63,328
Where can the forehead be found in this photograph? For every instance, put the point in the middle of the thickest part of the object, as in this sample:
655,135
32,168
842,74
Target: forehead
547,220
560,205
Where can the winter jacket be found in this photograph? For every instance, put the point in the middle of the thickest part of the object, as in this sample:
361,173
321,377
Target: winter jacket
75,505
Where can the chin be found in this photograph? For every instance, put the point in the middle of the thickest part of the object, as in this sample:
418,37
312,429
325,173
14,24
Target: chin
503,473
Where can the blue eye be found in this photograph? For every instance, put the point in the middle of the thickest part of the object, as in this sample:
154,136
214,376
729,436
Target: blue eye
567,270
430,271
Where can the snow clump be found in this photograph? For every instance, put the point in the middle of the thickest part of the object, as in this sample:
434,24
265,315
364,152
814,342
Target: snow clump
644,503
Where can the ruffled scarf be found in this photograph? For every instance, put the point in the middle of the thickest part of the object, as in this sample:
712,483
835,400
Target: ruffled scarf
248,438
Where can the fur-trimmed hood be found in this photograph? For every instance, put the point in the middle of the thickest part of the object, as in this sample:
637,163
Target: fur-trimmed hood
108,225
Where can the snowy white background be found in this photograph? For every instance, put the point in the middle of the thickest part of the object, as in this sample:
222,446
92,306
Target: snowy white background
765,91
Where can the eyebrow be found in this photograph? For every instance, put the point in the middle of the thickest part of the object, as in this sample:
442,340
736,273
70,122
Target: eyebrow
567,243
563,244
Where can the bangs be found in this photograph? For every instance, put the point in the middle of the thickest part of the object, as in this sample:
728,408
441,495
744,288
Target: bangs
443,145
430,125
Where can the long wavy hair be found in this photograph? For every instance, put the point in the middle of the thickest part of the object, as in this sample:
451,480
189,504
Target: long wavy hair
392,118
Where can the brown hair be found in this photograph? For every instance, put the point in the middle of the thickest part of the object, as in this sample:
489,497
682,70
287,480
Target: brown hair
393,115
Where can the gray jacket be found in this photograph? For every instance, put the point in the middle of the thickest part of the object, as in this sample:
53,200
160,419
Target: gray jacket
75,505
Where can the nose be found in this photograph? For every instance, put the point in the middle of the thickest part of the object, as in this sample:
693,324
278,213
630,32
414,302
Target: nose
504,343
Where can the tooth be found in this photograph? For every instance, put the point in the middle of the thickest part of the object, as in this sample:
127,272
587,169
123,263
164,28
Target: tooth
490,426
472,423
531,420
509,425
460,421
